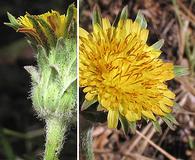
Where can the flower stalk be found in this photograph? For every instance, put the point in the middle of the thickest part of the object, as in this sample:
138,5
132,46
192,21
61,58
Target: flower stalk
87,144
54,82
55,130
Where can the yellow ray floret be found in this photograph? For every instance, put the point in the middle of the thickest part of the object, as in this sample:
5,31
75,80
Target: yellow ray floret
55,21
123,73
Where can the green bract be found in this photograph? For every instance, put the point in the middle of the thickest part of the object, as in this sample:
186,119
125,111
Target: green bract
54,85
54,80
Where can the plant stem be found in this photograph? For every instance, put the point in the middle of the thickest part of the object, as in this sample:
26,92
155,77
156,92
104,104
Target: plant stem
54,138
6,147
87,144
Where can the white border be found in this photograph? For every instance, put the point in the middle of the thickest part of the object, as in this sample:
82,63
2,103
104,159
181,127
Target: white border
77,79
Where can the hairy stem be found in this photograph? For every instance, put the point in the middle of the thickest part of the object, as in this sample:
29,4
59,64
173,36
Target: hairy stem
54,138
86,142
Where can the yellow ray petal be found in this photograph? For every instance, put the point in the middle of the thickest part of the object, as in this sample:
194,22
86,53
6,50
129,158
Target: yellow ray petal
131,116
89,96
112,118
148,114
105,23
83,33
165,108
169,94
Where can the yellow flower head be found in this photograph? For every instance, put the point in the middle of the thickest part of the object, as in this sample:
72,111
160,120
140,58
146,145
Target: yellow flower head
54,20
123,73
44,29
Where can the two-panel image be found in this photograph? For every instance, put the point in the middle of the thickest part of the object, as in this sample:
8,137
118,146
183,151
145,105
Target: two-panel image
97,80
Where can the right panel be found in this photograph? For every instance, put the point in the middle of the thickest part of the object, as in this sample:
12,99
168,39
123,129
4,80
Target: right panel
136,76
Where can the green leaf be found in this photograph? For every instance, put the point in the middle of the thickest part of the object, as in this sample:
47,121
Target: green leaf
86,104
157,126
10,25
180,71
70,12
100,107
176,107
124,124
121,16
60,44
6,147
141,20
169,123
158,44
33,72
124,13
55,70
132,126
73,68
42,58
171,118
69,85
96,16
12,18
191,142
69,16
13,22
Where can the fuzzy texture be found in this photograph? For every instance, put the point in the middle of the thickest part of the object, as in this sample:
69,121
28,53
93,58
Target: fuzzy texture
86,144
54,88
53,92
54,84
54,138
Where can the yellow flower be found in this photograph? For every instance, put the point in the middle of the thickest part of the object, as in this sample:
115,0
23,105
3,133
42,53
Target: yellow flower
123,73
47,28
41,27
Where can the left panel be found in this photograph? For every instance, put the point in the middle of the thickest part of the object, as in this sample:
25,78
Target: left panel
38,80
